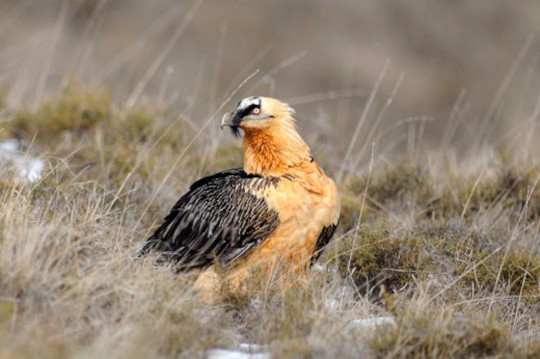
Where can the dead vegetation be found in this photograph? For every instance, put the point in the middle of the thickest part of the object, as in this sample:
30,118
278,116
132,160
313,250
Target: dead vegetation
446,333
440,230
453,254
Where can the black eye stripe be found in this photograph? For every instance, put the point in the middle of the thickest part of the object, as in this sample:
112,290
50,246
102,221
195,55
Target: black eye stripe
248,110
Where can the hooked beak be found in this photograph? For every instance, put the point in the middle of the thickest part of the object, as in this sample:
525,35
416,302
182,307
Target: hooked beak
230,120
226,120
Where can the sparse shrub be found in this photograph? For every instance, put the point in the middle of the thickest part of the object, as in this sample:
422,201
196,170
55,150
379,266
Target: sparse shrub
509,188
382,259
533,350
423,333
388,259
68,241
410,188
407,184
139,123
407,187
75,109
519,274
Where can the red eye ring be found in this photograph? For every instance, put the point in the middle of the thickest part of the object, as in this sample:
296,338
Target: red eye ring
256,111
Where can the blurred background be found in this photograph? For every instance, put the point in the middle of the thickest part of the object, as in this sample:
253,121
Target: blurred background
409,76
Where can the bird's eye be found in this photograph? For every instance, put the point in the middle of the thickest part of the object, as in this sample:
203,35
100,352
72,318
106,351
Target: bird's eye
256,111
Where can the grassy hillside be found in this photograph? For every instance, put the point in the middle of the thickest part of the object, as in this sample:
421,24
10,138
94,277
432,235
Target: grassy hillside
449,246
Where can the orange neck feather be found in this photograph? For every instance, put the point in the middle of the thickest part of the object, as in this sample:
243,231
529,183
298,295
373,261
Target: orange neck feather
274,150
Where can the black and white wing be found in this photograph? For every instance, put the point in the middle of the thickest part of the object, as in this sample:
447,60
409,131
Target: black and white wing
221,218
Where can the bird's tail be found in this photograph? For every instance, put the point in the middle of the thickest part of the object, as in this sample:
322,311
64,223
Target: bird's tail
151,244
160,247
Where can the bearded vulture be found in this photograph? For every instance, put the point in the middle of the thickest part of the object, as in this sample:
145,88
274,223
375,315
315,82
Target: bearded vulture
277,213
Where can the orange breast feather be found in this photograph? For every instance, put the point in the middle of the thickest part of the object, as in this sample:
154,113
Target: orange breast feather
305,204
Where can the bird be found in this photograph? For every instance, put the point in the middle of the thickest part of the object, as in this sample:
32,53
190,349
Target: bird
276,214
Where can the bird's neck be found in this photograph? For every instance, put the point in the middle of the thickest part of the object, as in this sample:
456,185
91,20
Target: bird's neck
275,150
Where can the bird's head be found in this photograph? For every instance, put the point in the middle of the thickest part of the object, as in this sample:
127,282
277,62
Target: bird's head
257,113
272,146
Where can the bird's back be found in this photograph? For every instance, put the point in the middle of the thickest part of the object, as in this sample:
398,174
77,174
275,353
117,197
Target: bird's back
220,218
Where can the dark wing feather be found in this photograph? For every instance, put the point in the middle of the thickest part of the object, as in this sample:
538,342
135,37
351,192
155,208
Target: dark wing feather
323,240
218,219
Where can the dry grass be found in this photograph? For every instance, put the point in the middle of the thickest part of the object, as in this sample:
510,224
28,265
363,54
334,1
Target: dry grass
452,252
441,230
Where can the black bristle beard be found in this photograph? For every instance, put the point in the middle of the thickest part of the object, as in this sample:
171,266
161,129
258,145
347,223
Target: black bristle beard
236,131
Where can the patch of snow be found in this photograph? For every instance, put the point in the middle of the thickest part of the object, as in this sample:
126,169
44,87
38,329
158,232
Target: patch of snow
234,354
331,303
244,351
318,267
9,146
29,168
251,347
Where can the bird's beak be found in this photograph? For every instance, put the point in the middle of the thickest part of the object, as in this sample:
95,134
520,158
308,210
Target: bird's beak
231,120
226,120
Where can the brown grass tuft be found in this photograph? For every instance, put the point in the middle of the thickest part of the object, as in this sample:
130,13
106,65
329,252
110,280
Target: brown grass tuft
464,241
